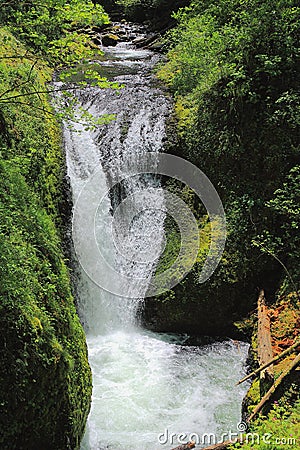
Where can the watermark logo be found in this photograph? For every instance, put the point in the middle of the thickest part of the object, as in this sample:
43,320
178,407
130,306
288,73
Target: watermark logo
242,427
241,435
100,266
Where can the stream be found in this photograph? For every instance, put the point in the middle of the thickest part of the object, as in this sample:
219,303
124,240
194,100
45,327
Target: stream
148,388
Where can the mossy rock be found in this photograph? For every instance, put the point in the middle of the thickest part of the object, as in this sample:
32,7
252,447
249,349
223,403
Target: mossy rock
110,40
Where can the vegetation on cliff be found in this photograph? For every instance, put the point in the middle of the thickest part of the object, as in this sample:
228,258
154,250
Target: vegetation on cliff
233,69
55,29
45,388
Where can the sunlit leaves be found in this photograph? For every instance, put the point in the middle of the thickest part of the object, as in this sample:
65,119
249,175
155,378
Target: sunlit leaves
48,24
56,29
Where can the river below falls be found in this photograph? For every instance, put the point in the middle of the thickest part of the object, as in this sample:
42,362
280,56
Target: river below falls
147,387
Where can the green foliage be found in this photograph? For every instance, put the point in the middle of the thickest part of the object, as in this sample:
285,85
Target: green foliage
233,68
157,12
29,133
278,431
45,385
284,241
146,3
23,86
57,28
286,201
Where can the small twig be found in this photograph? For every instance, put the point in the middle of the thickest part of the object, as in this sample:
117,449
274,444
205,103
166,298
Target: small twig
286,270
30,105
16,56
47,91
277,358
11,2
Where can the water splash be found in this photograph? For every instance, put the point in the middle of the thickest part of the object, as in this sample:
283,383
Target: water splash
143,383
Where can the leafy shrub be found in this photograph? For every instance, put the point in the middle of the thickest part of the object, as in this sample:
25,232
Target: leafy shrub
233,68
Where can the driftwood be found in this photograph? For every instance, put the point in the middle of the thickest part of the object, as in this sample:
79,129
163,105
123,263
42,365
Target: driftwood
221,446
187,446
271,391
272,361
264,343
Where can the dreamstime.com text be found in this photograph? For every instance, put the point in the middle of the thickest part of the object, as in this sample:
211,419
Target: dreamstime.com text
212,439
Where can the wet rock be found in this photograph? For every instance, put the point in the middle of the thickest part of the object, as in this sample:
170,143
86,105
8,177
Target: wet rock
145,41
110,40
96,40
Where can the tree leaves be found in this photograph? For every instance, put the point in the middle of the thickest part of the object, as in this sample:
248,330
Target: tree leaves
52,26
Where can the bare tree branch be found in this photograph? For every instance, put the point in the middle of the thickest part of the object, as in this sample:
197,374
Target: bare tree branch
30,105
16,56
20,84
12,2
46,91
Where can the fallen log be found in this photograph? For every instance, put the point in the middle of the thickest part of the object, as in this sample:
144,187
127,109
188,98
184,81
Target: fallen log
221,446
272,361
147,40
273,388
264,343
187,446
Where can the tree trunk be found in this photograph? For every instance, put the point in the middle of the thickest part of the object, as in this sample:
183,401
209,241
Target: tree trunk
265,352
277,358
221,446
186,446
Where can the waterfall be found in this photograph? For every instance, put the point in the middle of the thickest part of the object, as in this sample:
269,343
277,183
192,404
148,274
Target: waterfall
145,385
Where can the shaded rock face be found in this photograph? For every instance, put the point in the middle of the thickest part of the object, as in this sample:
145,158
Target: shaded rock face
156,13
208,309
197,310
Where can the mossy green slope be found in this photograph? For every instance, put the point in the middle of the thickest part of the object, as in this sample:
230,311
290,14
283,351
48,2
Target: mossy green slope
45,387
233,69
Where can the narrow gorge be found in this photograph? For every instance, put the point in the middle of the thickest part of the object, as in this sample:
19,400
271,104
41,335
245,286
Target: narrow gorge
149,224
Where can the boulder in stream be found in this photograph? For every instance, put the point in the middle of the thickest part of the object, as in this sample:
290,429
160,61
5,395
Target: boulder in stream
110,40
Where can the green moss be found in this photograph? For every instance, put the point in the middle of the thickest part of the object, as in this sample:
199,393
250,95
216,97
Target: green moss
45,386
253,396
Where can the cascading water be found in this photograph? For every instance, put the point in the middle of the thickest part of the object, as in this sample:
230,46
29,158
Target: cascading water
143,383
